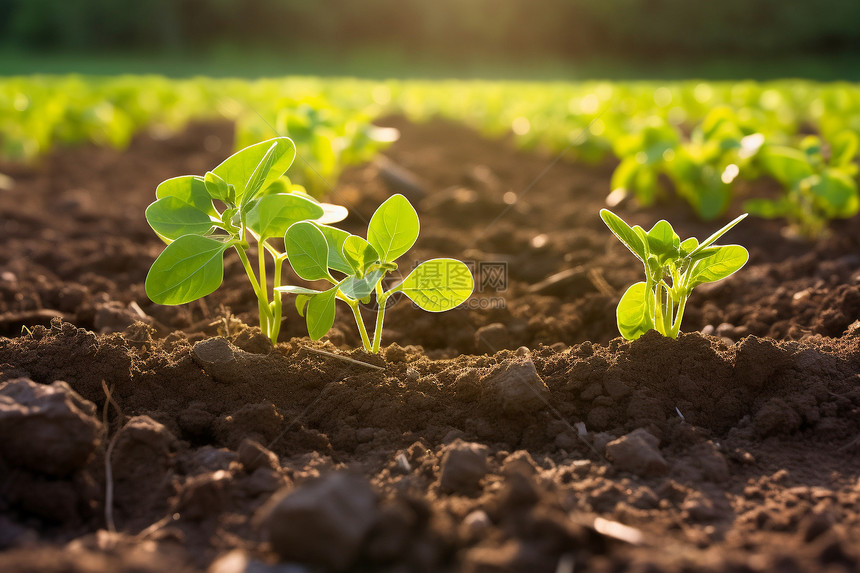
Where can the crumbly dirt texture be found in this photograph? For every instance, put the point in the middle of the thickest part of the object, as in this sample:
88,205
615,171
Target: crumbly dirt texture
517,433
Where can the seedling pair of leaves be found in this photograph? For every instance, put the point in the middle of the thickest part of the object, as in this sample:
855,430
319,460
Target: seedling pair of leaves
318,252
819,183
258,204
673,268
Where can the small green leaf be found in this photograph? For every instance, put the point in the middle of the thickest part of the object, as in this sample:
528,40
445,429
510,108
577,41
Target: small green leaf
332,214
189,189
335,239
625,233
843,148
320,313
238,169
838,192
189,268
272,215
438,285
663,242
722,263
358,288
710,240
688,245
171,217
632,312
293,289
787,165
359,254
258,177
217,188
302,303
394,228
307,251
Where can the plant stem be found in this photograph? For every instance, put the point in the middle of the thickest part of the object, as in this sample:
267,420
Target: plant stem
265,314
676,328
275,305
381,301
362,330
263,298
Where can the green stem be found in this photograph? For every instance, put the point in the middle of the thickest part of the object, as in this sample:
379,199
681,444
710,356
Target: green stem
276,304
362,330
381,301
263,300
676,328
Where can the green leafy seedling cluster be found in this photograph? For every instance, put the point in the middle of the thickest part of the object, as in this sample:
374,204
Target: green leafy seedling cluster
673,268
818,179
259,204
320,253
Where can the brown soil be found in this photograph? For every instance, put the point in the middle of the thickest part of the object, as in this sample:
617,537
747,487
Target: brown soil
516,435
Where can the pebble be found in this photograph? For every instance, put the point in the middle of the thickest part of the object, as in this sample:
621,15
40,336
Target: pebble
322,523
518,386
464,464
493,337
48,429
638,453
252,455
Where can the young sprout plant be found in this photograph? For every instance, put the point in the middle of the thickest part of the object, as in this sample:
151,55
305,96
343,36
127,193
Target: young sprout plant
259,204
673,268
317,251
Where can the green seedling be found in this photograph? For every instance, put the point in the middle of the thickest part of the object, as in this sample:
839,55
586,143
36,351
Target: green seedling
258,204
673,268
318,252
819,183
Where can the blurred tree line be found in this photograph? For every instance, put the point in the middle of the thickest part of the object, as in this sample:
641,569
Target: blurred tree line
448,30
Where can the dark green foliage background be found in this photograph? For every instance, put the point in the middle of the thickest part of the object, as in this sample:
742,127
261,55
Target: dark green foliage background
446,30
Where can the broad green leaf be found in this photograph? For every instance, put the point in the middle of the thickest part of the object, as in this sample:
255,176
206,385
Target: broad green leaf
320,313
335,239
625,233
663,242
217,188
843,148
302,303
189,268
358,288
632,312
238,169
171,217
359,254
625,174
438,285
293,289
838,192
307,251
725,261
710,240
788,165
394,228
688,245
332,214
272,215
258,177
711,196
190,189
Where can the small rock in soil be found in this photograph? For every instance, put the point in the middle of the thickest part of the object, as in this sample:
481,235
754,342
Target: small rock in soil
518,386
638,453
464,464
204,495
47,429
254,341
493,337
322,523
253,455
